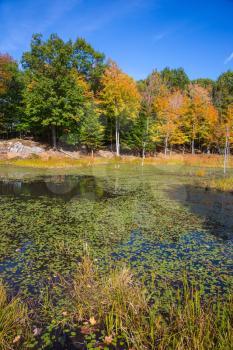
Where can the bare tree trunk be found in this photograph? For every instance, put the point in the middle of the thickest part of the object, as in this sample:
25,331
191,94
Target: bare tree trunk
145,141
92,153
111,133
54,137
166,144
193,147
117,138
226,151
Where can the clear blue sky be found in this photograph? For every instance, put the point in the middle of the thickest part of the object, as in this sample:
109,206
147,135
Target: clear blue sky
140,35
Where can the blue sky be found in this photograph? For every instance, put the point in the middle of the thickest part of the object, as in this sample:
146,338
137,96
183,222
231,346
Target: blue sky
140,35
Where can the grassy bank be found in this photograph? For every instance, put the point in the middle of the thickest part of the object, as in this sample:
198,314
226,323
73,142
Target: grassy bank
204,160
115,311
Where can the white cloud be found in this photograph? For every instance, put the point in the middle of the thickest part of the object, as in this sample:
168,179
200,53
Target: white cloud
229,58
159,36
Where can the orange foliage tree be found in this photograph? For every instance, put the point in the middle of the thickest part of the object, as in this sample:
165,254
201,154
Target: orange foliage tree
170,108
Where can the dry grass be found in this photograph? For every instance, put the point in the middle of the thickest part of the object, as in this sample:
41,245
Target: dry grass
199,160
62,162
203,160
224,184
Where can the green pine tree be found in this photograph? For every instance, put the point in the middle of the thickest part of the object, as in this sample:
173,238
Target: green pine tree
91,130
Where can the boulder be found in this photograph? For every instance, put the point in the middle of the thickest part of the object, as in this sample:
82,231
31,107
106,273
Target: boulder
105,154
19,148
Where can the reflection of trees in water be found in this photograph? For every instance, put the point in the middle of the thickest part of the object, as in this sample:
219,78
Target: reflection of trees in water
65,187
216,207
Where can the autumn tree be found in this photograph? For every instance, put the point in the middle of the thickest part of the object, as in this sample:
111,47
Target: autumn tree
119,98
201,116
170,107
150,89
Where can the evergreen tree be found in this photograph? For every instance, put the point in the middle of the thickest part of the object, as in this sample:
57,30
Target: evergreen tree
91,130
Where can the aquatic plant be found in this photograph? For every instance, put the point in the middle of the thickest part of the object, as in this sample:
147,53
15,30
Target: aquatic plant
14,321
121,307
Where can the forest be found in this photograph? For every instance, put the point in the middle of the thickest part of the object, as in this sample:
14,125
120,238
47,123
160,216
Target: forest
68,93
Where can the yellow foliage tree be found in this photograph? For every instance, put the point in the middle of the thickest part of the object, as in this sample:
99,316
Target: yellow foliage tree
200,117
119,97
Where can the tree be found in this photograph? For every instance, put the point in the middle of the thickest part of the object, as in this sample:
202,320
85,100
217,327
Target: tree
119,97
223,99
205,83
55,93
175,78
91,130
201,116
10,93
150,89
170,108
223,93
88,62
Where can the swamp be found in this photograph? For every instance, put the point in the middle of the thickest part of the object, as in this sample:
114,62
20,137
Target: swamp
153,226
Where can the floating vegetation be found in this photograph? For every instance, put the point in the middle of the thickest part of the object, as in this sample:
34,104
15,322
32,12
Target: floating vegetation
156,223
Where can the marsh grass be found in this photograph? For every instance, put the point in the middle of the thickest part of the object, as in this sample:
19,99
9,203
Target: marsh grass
14,321
223,184
122,307
52,162
197,160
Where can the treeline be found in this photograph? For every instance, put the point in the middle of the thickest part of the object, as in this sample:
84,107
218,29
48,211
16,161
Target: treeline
66,92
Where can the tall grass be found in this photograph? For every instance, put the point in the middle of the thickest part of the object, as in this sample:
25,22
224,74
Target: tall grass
121,306
14,323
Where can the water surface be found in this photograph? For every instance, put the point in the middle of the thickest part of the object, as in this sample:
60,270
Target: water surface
155,219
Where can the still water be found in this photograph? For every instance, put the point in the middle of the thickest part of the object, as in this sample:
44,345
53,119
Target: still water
157,220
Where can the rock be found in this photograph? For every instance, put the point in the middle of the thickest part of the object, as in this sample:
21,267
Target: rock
18,147
105,154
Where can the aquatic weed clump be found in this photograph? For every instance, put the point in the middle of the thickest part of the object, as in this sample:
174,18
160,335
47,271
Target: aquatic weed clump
119,308
14,321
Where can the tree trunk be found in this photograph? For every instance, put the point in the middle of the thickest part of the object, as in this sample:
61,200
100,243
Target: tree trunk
111,134
193,147
92,153
166,143
145,141
54,137
117,138
226,151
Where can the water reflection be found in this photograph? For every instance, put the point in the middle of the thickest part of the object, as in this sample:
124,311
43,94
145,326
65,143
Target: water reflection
60,186
215,206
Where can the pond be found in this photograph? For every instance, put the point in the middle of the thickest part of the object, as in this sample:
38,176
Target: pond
154,219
